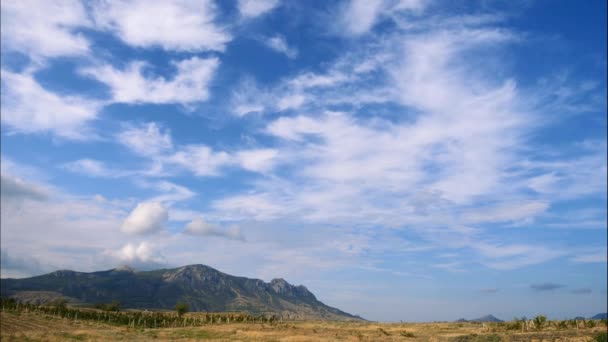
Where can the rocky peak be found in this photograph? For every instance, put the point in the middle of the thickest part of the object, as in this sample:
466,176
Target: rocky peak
281,286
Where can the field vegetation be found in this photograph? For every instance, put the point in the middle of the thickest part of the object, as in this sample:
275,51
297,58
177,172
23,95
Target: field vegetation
57,322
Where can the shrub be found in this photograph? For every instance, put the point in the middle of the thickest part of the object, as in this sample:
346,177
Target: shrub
539,322
561,324
601,337
590,323
181,308
113,306
515,324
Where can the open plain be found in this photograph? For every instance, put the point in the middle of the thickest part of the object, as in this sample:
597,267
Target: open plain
33,326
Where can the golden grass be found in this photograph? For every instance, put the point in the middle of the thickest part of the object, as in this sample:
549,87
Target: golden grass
38,327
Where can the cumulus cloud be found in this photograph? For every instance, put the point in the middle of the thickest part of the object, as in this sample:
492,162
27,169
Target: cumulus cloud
279,44
546,286
28,28
185,25
146,218
199,227
255,8
64,116
190,83
139,256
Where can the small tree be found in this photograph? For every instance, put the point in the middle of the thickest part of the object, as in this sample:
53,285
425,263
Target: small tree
181,308
539,322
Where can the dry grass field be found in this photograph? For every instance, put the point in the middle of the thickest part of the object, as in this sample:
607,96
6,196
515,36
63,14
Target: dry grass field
30,326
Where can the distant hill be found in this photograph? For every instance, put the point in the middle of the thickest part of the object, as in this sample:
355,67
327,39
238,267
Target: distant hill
484,319
202,287
600,316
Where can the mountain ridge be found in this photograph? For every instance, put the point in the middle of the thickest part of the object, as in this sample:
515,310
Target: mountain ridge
202,287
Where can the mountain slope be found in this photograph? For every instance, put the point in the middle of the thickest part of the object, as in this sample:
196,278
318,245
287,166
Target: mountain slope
202,287
600,316
486,318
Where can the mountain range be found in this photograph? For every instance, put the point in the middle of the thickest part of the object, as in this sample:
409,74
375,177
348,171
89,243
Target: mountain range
484,319
203,288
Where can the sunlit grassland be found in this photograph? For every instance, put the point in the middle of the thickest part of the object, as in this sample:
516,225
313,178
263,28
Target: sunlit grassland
37,326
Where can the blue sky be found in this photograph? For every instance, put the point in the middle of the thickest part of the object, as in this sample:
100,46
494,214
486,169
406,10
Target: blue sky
405,160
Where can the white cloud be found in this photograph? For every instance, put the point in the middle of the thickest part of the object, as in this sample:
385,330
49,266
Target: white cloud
599,257
257,207
291,101
360,16
258,160
278,44
199,227
139,256
190,84
27,27
255,8
200,159
147,217
514,256
94,168
180,25
312,80
146,139
62,115
506,212
170,192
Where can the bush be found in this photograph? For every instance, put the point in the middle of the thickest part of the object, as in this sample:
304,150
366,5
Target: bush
113,306
539,322
561,324
601,337
590,323
181,308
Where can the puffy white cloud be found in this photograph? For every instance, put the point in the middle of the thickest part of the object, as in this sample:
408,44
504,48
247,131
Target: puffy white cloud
182,25
278,44
199,227
147,217
140,256
28,27
255,8
62,115
190,83
146,139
